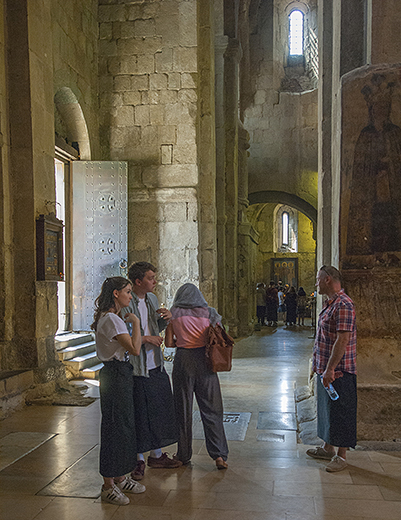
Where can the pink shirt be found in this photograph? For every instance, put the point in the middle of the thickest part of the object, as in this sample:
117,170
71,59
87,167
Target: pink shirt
190,331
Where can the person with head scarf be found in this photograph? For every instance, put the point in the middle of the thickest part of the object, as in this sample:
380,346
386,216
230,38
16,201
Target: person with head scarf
191,316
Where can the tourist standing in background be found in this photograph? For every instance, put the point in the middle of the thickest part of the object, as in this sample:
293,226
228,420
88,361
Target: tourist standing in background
271,305
291,305
301,306
261,303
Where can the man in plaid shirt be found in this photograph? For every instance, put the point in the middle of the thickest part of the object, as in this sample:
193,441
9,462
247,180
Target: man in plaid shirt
334,360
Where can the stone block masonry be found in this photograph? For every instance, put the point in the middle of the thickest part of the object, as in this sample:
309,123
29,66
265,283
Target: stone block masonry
148,117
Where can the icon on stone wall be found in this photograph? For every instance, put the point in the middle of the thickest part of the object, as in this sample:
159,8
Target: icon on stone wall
374,219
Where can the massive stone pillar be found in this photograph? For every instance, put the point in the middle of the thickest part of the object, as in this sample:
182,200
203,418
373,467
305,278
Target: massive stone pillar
150,85
31,315
370,248
370,227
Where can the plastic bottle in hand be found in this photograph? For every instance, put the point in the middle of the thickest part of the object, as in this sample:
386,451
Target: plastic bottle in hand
330,390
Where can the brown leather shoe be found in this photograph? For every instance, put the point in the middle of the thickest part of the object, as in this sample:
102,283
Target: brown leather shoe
139,471
221,464
163,462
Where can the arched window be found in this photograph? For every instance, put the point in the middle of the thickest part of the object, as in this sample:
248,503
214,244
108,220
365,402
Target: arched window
296,33
285,228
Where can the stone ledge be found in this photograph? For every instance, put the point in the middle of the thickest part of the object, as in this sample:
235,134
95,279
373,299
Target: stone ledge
379,412
13,388
17,381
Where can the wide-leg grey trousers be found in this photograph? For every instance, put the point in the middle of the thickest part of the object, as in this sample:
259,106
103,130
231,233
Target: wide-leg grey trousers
191,376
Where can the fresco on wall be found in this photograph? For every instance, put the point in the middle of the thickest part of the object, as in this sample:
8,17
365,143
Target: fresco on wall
371,169
285,270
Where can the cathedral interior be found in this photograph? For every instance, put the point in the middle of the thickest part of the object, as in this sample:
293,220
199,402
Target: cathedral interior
227,142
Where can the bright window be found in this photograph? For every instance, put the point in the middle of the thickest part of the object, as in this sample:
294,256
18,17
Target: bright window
296,33
285,223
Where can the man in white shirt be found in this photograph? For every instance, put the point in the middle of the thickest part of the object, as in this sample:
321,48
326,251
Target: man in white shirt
153,399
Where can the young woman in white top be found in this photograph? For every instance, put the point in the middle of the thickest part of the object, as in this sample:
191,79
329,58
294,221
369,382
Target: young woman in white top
113,346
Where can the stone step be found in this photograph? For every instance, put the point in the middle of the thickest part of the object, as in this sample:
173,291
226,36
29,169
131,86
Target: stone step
91,372
76,350
80,362
68,339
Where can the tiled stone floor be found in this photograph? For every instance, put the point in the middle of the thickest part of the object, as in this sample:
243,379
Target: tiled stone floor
270,478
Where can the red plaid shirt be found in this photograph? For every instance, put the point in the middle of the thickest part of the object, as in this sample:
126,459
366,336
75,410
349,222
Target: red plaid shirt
337,315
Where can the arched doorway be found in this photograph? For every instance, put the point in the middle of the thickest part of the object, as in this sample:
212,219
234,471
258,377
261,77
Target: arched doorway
286,226
71,144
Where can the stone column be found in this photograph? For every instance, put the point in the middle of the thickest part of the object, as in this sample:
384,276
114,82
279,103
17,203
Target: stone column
207,154
6,238
221,43
231,60
246,282
33,322
23,352
335,134
325,40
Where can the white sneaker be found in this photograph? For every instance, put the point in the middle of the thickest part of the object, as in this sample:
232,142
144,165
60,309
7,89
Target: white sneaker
114,496
337,464
129,485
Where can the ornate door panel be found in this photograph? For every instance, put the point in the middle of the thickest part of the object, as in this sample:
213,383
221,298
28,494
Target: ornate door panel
99,195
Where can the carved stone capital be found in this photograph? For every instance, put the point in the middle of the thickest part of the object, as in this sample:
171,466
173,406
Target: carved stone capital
221,43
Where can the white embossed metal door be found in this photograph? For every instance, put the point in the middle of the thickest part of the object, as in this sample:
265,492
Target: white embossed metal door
99,232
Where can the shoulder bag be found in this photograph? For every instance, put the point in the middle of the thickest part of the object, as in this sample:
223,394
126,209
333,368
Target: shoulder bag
219,349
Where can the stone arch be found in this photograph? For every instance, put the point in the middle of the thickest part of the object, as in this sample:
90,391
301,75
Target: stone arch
297,6
74,120
289,199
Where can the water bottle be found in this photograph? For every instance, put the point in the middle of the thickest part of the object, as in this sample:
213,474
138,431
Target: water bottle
129,328
330,390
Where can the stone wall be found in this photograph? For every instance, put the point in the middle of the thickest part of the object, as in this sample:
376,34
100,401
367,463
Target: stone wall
149,91
282,125
74,43
283,143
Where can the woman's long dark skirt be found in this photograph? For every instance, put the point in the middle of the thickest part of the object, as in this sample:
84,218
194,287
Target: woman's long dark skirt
191,375
271,311
155,420
117,433
336,420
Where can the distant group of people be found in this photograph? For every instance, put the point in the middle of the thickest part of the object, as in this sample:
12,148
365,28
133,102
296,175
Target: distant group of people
140,412
275,299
